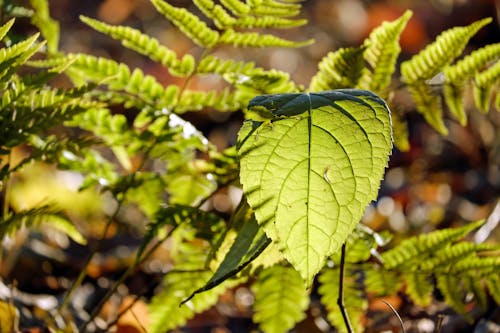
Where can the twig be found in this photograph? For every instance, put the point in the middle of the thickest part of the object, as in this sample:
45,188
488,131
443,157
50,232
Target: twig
439,324
93,251
397,315
340,299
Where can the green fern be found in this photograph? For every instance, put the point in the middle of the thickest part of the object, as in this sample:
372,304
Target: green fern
418,287
483,85
188,23
38,217
254,39
340,69
148,46
447,46
280,299
48,27
354,299
165,310
381,52
457,75
428,63
429,243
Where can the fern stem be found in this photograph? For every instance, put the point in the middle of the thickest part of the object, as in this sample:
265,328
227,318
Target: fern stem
439,324
340,299
94,250
6,186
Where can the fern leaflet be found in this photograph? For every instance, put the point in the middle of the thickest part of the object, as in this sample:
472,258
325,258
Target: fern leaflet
188,23
280,299
340,69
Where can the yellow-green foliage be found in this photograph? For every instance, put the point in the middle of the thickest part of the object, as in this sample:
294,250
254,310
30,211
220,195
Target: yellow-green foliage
30,107
340,69
381,52
280,299
459,266
428,63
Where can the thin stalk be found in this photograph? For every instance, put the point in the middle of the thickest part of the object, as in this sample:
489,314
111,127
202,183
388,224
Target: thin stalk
397,315
340,299
439,325
94,250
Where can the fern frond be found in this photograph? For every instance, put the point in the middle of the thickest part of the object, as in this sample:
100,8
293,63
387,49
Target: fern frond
143,44
175,215
381,282
4,29
47,25
212,64
164,310
483,84
472,64
447,46
480,265
274,8
476,287
428,103
432,242
254,39
262,82
453,253
354,300
224,100
117,76
35,217
418,287
221,18
16,55
493,283
451,287
237,7
453,96
457,74
28,218
381,52
268,22
188,23
339,69
280,299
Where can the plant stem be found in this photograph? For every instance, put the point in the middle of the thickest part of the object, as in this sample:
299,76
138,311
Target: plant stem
340,299
94,250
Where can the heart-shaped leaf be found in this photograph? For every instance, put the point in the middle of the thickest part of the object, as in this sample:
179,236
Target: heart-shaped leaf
310,171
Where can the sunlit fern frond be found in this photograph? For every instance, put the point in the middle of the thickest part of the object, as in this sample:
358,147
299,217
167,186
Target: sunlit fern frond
447,46
428,103
280,299
254,39
415,247
483,86
381,52
340,69
146,45
188,23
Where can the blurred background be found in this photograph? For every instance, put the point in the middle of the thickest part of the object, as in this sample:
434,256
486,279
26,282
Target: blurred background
440,182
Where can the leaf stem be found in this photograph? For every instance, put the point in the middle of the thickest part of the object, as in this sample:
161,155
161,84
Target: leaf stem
340,299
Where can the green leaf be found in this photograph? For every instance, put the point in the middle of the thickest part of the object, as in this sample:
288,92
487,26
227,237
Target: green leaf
280,299
311,171
249,243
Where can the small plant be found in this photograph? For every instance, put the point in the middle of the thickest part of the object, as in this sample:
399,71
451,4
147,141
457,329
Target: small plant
309,161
